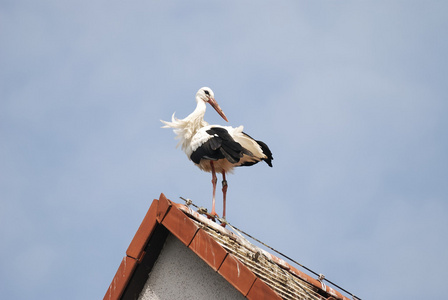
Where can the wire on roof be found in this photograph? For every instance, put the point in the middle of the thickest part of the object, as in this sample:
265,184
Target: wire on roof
320,277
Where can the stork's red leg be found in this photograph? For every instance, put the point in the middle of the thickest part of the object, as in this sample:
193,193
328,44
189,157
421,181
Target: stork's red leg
224,193
214,180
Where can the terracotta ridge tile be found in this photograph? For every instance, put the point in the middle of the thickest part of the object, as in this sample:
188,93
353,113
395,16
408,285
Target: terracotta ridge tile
261,290
144,232
121,278
178,223
163,207
237,274
208,249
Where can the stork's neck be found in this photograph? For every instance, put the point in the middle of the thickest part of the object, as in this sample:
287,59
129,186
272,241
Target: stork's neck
199,112
196,118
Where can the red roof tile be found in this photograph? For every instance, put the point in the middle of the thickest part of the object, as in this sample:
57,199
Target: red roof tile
179,224
145,230
261,291
121,278
208,249
237,274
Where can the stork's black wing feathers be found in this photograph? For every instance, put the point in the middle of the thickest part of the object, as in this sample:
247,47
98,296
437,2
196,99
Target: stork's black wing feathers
265,150
215,143
220,145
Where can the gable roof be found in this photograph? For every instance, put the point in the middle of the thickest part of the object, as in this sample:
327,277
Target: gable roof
254,272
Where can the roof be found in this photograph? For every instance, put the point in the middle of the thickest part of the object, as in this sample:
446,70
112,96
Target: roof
253,271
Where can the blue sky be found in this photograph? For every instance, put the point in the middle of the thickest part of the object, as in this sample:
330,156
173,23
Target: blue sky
351,97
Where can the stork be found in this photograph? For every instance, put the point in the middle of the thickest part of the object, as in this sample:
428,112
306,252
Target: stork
215,148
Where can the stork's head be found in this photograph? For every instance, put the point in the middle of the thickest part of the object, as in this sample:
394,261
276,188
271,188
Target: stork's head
206,94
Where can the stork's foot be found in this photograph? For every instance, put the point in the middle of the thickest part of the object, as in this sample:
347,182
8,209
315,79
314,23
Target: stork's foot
223,221
213,216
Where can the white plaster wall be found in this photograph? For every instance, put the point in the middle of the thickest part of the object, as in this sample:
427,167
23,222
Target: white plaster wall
180,274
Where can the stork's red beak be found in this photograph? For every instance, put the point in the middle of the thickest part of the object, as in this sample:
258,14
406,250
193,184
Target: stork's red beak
218,109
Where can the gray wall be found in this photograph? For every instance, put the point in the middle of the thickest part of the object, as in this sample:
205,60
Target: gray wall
180,274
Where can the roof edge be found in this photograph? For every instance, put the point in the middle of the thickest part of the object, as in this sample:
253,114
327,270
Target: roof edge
177,219
134,254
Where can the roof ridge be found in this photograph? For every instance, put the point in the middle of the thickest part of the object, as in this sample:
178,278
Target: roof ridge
251,270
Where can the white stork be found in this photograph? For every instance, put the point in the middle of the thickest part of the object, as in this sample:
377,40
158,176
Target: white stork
215,148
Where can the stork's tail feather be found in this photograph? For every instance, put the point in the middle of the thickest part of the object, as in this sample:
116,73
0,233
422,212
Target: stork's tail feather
267,152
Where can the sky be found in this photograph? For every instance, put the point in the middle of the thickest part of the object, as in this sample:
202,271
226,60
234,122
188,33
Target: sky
350,96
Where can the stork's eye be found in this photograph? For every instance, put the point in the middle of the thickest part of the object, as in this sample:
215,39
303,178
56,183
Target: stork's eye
206,92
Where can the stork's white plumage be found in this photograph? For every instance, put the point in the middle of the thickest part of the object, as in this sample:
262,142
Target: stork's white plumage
215,148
